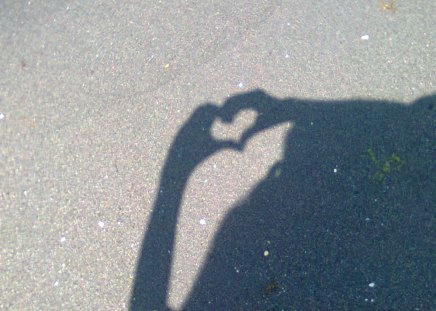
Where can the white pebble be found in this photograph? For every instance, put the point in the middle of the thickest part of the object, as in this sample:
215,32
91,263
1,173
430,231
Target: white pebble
335,170
56,284
62,239
287,56
202,221
364,37
2,116
241,85
372,284
266,253
101,224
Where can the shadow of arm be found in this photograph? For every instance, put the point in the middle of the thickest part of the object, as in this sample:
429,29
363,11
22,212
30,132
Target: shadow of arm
192,145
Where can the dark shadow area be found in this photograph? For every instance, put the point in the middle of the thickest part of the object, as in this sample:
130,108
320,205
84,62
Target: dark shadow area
347,216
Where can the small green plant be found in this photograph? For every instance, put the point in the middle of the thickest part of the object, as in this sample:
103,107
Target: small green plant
385,167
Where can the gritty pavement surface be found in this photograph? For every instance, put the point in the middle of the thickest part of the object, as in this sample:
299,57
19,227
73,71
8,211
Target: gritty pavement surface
93,94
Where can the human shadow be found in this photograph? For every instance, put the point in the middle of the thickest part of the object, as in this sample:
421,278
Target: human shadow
346,215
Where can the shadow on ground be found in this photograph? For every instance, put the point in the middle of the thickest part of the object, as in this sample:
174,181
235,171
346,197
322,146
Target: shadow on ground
346,215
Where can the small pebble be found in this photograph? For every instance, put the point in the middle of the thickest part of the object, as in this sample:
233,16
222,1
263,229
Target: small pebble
335,170
2,116
241,85
62,239
372,284
364,37
202,221
266,253
101,224
56,284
